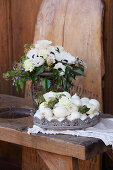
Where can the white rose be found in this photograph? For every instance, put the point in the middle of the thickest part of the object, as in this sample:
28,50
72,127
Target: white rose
76,102
39,115
42,106
74,115
60,112
47,112
66,94
83,117
75,96
92,115
73,108
32,54
84,101
92,108
49,95
64,101
42,44
38,61
28,65
95,103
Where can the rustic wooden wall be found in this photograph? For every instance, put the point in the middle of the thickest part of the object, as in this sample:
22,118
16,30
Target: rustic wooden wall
17,23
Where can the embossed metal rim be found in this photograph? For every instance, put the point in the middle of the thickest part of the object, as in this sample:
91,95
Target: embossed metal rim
66,124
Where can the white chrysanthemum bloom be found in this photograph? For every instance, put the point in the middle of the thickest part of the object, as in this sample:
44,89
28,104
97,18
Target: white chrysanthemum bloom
75,96
74,115
50,59
42,44
84,101
49,95
60,112
33,53
61,68
92,108
28,65
65,57
42,106
76,102
83,116
39,115
38,61
46,112
95,103
64,101
43,53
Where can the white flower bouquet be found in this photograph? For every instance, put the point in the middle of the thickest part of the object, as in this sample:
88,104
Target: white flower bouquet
43,57
60,108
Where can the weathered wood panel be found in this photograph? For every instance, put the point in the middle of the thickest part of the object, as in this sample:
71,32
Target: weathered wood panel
17,24
5,44
108,53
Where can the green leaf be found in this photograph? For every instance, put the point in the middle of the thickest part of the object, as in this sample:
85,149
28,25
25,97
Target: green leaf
83,109
39,70
45,83
78,72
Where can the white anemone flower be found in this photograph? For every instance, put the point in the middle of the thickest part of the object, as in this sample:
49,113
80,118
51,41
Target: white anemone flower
65,57
33,53
52,50
28,65
59,48
38,61
41,44
43,53
61,68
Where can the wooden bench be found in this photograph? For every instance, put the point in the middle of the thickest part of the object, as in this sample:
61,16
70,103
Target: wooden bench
57,152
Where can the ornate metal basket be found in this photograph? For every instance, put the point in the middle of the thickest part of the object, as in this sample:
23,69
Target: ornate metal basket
66,124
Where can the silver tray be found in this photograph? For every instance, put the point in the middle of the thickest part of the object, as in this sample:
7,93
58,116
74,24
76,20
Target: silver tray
66,124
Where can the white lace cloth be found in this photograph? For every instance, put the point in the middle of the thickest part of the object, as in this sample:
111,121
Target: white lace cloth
103,130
